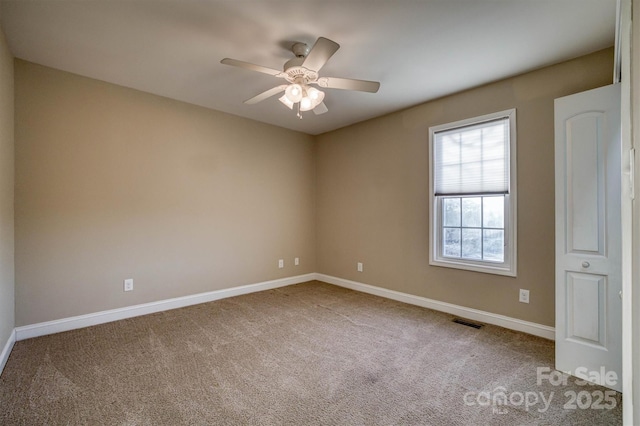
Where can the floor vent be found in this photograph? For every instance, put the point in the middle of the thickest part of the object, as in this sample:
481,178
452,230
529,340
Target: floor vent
467,323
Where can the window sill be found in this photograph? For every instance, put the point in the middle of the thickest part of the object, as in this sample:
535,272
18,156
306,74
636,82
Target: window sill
475,267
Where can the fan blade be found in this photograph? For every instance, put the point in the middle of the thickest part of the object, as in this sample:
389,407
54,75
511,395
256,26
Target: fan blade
321,108
267,94
250,66
320,54
348,84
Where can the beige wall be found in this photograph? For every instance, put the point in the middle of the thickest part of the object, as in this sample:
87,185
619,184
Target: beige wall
373,188
113,183
6,193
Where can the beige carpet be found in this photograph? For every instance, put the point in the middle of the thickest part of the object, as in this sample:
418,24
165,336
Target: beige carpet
310,353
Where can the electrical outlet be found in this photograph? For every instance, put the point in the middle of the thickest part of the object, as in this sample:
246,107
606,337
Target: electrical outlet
360,267
296,261
281,263
128,284
524,296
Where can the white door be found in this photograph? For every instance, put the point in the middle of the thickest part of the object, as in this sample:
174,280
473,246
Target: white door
588,236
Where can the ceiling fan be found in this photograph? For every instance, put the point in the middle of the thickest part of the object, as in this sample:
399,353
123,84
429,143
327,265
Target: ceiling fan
301,72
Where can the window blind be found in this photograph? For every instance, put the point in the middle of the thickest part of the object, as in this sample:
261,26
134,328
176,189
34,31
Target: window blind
473,159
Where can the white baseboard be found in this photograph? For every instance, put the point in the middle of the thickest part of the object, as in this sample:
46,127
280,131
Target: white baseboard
72,323
4,355
461,311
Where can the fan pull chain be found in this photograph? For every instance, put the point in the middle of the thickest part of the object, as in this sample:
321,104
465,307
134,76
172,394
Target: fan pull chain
299,115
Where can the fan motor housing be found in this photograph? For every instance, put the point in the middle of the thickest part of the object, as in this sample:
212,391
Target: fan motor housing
299,74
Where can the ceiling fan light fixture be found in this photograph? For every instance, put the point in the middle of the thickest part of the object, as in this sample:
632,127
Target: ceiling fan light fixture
306,104
313,97
314,93
317,96
294,93
286,101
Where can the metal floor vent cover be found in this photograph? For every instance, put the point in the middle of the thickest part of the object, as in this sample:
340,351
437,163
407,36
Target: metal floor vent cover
467,323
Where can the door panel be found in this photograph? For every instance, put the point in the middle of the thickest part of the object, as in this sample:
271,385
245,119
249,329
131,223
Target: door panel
585,310
585,183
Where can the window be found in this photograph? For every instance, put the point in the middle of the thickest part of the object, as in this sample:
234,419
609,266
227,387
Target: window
473,194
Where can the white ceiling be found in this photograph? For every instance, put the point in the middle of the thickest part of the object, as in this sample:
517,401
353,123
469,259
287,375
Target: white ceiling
418,49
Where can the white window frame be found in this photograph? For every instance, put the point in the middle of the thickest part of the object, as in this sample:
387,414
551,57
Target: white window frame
509,266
